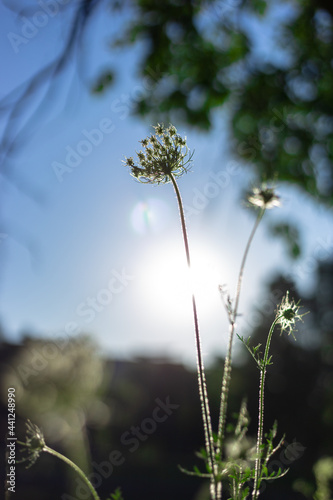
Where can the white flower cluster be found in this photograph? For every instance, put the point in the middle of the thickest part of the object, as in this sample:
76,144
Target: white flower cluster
164,154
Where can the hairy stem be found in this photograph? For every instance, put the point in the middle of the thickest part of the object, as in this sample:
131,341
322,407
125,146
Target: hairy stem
263,370
76,468
209,445
227,362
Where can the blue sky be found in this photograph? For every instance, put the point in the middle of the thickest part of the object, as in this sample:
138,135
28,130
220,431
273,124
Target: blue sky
87,249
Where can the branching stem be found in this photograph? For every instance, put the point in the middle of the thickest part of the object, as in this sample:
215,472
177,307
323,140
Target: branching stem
263,369
227,364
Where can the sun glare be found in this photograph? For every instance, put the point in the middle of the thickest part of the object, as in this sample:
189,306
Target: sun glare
169,284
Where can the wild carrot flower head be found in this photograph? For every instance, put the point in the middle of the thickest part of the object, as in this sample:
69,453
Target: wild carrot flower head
34,444
264,197
164,153
288,314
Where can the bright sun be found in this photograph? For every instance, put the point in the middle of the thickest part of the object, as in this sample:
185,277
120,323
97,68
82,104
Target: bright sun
167,282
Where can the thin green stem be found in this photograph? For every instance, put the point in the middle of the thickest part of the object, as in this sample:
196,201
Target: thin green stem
76,468
242,266
227,363
209,444
263,371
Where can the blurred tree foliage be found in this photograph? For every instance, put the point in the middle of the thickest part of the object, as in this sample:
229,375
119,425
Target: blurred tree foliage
268,63
271,62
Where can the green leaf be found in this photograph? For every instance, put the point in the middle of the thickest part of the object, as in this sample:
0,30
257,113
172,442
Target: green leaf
103,82
117,495
196,472
259,6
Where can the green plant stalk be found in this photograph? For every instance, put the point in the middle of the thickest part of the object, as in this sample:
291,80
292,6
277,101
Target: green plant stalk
209,445
76,468
227,363
263,370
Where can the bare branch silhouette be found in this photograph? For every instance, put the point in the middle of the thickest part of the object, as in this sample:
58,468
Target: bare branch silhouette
43,82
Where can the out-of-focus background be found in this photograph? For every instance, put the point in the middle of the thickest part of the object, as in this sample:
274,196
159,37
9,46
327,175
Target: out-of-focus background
95,317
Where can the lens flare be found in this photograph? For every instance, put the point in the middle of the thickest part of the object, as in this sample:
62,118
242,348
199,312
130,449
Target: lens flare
149,216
